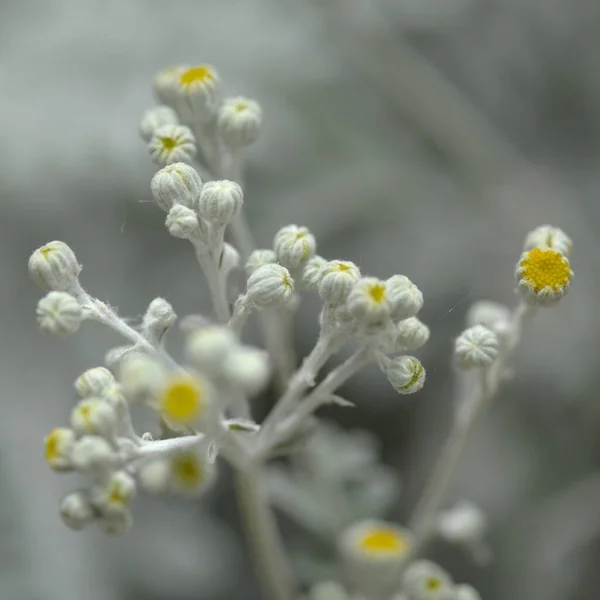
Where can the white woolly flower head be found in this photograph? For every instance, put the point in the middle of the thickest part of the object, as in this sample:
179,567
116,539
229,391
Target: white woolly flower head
172,144
220,201
270,285
166,84
198,93
548,237
156,117
405,373
466,592
54,267
476,347
183,399
140,375
239,121
492,315
464,523
259,258
411,334
191,472
94,382
248,369
181,222
59,313
114,494
424,580
158,319
178,183
336,280
153,476
93,453
118,523
93,416
368,301
58,445
76,510
312,272
209,346
294,245
543,276
405,297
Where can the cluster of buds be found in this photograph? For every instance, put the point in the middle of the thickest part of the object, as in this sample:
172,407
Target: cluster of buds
195,121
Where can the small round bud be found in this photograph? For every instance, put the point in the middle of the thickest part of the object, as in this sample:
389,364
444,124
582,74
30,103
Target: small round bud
94,382
60,313
159,317
490,314
92,452
405,297
190,472
270,285
548,237
368,301
313,272
76,511
156,117
181,222
176,184
117,523
239,121
220,201
543,276
154,476
172,144
198,93
424,580
165,85
259,258
337,278
115,494
406,374
247,368
57,448
208,347
411,334
466,592
54,267
294,245
94,416
476,347
463,524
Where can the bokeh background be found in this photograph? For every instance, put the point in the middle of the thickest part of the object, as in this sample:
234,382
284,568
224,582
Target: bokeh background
423,137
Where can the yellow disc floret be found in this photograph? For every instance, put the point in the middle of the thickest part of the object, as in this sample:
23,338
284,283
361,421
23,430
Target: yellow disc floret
183,399
200,75
544,275
383,540
57,446
187,471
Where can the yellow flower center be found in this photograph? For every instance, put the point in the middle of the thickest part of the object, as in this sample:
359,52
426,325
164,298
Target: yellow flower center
546,268
240,106
384,540
343,267
433,583
187,470
201,74
52,444
377,292
183,400
116,495
168,143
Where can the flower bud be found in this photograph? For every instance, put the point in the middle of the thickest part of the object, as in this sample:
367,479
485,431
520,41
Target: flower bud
466,592
140,375
165,85
248,369
176,184
172,144
198,90
220,201
424,580
156,117
191,472
93,415
548,237
93,452
406,374
405,297
76,511
313,272
115,494
54,267
270,285
239,121
117,523
492,315
208,347
294,245
463,524
57,448
368,301
411,334
259,258
93,382
337,279
476,347
181,222
60,313
154,476
159,317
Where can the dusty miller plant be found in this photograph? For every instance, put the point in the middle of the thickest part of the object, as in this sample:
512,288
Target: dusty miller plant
332,484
